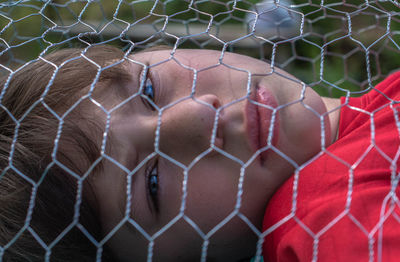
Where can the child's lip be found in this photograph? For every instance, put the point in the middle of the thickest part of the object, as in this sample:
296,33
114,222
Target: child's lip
258,120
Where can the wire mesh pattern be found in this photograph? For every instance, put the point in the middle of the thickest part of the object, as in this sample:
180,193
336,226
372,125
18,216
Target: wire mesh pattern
339,48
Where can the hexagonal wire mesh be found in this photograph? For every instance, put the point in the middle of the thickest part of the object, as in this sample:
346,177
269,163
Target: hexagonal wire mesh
62,135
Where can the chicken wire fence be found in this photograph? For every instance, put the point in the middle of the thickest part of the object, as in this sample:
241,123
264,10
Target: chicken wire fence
340,48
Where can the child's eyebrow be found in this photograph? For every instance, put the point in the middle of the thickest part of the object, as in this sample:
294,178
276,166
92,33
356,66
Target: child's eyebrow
130,78
115,69
123,78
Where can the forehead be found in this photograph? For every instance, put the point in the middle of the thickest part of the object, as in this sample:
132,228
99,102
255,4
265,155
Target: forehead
186,58
201,60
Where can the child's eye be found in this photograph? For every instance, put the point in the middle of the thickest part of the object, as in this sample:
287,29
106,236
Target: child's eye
149,92
153,184
149,89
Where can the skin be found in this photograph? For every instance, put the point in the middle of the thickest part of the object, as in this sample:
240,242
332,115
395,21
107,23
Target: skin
186,132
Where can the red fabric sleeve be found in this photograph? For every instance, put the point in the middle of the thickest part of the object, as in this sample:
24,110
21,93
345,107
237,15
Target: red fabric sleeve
343,206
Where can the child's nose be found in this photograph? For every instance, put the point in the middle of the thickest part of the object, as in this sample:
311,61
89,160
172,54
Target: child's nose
210,100
187,127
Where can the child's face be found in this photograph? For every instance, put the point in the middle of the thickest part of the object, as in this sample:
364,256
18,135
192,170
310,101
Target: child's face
213,189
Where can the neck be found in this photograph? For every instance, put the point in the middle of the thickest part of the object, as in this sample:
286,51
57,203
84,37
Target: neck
333,108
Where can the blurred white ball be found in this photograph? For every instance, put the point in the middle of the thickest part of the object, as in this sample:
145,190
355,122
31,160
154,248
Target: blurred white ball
275,19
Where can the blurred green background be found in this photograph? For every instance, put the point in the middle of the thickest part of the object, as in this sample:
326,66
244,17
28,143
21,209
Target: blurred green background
334,47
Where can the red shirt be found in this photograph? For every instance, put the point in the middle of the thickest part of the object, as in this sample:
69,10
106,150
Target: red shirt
343,206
